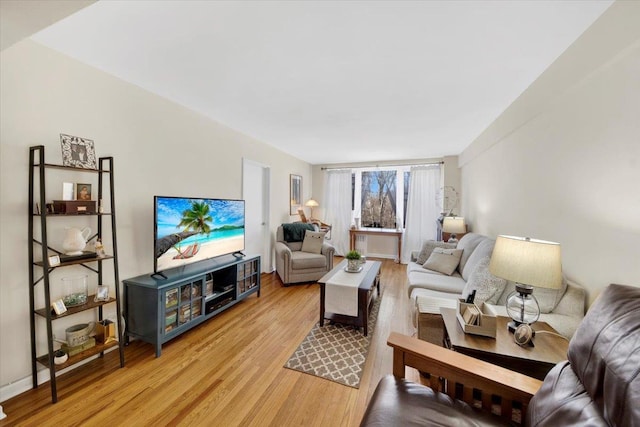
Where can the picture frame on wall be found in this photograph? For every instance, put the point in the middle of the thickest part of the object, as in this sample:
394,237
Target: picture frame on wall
295,194
78,152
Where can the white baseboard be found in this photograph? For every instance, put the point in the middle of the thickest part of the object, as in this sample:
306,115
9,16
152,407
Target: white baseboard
15,388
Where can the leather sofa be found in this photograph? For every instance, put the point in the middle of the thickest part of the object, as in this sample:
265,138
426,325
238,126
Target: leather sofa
563,309
599,384
295,266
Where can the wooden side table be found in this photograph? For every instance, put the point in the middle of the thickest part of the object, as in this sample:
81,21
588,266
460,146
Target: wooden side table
535,361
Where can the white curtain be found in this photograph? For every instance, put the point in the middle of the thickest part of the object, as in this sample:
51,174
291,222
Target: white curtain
422,209
337,199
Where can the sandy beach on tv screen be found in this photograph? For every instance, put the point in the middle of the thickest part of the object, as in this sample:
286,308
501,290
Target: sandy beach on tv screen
208,250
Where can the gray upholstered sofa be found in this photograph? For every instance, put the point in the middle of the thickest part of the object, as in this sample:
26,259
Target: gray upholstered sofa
563,309
296,266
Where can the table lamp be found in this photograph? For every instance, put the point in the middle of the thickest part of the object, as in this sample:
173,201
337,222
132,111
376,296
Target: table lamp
530,263
312,204
453,225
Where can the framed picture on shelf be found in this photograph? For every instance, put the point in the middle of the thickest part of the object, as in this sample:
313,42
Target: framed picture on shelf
78,152
102,294
83,191
58,307
67,191
295,193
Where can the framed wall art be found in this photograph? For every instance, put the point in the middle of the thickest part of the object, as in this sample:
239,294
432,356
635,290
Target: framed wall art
295,194
78,152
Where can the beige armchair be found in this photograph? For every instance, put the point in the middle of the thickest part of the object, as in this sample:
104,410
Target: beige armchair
296,266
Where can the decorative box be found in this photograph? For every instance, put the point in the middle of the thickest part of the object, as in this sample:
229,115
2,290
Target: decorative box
74,206
105,331
72,351
486,322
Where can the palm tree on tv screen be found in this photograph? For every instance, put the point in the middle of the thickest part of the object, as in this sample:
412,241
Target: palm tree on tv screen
197,218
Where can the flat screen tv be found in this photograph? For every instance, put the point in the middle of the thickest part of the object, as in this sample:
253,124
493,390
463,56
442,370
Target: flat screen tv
189,230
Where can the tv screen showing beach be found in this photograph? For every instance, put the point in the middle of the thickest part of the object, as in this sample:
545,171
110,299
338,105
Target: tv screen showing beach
188,230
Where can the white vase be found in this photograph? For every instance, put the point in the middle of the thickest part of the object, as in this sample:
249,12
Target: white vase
75,240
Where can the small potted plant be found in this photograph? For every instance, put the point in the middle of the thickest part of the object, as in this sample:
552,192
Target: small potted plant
353,260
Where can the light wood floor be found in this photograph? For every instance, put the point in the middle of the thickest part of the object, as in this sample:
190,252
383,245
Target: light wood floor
227,371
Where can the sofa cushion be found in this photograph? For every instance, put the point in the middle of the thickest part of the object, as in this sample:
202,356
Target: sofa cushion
428,247
398,402
562,400
604,354
487,286
301,260
468,244
312,242
483,250
443,260
421,278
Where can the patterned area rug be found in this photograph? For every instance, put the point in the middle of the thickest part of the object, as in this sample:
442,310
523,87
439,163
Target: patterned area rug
335,352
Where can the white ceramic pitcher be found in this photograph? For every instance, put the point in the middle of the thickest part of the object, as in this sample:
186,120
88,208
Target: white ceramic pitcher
75,240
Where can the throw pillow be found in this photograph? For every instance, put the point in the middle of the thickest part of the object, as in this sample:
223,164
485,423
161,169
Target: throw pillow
443,260
312,242
487,286
428,247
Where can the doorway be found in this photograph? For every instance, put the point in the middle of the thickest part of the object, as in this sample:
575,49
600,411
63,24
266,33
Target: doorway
256,193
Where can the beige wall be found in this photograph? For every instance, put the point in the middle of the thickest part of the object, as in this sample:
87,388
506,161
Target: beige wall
563,162
158,147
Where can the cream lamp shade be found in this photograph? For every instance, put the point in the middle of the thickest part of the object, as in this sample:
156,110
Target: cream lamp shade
454,225
530,263
527,261
312,204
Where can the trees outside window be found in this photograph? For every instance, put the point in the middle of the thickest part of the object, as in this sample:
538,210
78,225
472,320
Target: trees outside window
378,199
379,196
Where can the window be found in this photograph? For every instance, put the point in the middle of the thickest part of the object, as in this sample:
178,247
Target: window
379,196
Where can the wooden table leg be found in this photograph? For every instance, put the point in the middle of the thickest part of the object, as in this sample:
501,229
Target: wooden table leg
363,300
321,304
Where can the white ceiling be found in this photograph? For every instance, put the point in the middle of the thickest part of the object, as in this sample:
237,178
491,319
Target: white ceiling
332,81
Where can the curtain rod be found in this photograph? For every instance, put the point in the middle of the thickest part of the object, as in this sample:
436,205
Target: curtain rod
383,166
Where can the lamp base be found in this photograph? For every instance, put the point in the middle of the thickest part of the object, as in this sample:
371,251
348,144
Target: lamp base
513,325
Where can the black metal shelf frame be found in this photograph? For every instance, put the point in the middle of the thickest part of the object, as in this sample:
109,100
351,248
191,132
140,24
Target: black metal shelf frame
37,173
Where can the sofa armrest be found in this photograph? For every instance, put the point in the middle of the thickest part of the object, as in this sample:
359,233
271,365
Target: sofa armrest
327,249
464,370
572,303
283,253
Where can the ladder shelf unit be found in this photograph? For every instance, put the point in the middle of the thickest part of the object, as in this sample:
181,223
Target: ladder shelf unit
41,269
